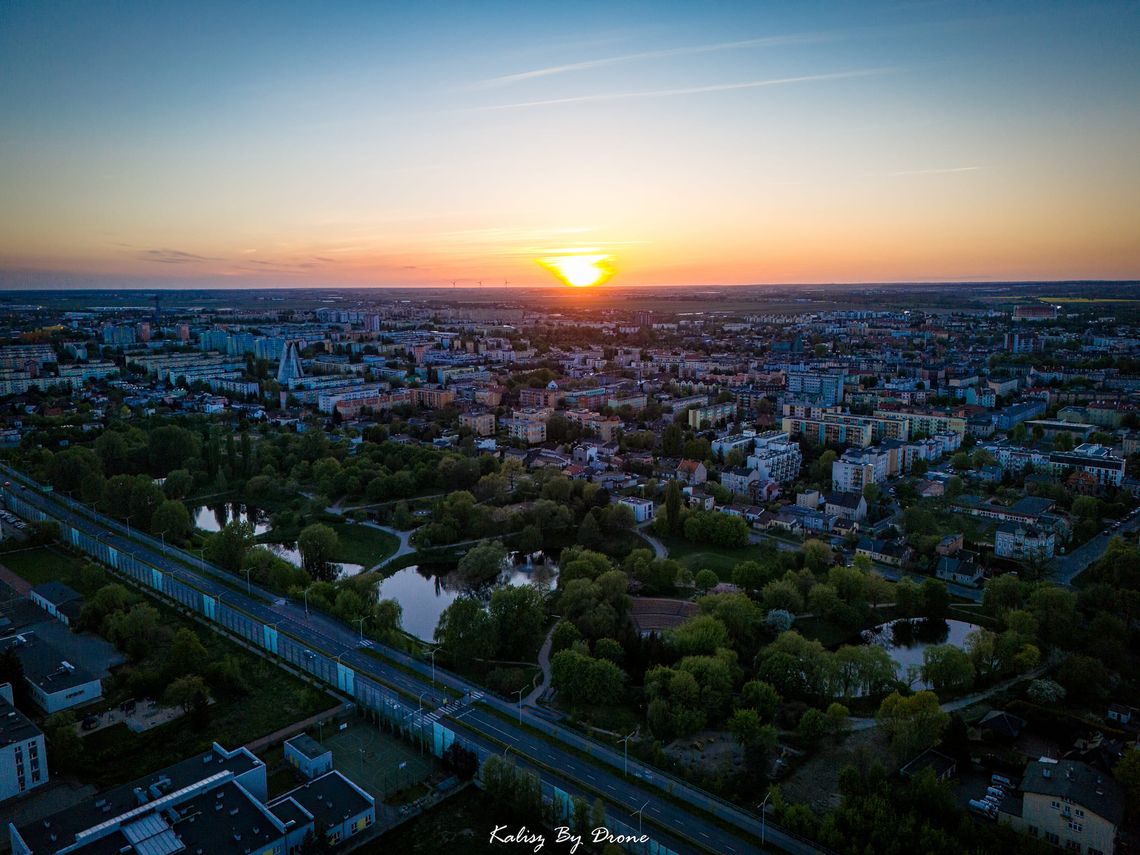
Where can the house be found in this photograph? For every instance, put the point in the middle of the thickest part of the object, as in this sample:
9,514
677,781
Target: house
1005,726
58,600
928,489
849,506
55,683
739,481
1068,804
1122,714
943,767
699,500
951,544
337,809
885,552
960,571
307,756
643,510
691,472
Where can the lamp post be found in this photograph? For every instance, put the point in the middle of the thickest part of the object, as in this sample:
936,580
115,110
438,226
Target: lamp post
638,812
306,592
520,694
625,744
248,584
360,621
128,522
764,817
432,654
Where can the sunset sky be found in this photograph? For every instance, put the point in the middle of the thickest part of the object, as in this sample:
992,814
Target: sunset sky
387,143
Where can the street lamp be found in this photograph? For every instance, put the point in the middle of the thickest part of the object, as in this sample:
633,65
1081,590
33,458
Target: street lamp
625,744
432,654
306,592
638,812
520,693
764,816
248,584
127,520
360,620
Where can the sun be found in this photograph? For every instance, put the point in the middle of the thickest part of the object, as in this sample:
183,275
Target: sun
580,271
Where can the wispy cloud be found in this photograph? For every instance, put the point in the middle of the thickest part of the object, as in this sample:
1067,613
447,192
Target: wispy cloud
942,171
687,90
668,53
173,256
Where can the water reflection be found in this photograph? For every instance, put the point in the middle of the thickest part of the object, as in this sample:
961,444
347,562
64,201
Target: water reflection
215,517
907,639
290,553
424,590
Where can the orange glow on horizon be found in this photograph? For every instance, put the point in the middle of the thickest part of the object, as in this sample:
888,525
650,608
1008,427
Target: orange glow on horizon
580,271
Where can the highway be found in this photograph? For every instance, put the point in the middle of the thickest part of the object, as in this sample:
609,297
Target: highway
676,815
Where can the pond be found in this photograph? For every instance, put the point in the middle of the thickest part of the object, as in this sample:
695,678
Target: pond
290,553
215,517
424,591
906,640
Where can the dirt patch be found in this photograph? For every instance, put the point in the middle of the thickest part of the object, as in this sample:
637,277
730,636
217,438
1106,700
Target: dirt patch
709,751
815,782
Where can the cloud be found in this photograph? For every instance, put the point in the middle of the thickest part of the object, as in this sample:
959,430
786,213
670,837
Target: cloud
943,171
173,256
604,62
689,90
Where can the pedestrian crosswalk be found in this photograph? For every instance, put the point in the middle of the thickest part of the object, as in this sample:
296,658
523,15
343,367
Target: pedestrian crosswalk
454,705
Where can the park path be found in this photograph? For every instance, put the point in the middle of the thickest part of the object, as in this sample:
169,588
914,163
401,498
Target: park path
964,701
404,537
658,547
544,664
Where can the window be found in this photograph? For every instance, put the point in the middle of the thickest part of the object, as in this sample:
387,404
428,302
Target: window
1051,837
1073,845
1055,805
1079,812
1032,829
1092,851
1076,826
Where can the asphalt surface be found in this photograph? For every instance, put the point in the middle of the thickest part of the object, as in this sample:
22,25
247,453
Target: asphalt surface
683,822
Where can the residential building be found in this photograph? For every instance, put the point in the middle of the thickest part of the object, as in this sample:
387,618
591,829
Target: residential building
1022,543
23,755
857,468
481,424
289,369
691,472
739,481
776,458
1068,804
711,416
928,423
849,506
643,510
817,387
58,600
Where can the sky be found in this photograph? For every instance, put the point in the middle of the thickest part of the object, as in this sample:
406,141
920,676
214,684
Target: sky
705,143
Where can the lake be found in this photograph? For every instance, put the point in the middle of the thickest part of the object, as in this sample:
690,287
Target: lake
906,639
424,591
290,553
215,517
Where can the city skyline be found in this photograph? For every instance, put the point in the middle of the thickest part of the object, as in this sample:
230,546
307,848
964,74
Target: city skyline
294,146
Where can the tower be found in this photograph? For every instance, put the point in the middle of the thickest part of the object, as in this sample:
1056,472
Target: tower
290,366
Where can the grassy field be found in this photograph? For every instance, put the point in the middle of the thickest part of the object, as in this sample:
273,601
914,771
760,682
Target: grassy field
702,556
51,564
364,545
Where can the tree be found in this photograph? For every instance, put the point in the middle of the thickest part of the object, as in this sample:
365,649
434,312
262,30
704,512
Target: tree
135,630
517,612
935,599
1086,507
564,636
762,697
146,497
582,679
187,653
229,546
673,506
170,447
817,555
1046,692
913,723
462,761
64,746
947,667
318,545
706,580
483,562
184,691
812,727
466,632
701,634
178,484
172,520
1127,772
589,532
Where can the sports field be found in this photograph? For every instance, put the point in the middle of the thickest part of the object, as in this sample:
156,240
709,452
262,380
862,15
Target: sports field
373,759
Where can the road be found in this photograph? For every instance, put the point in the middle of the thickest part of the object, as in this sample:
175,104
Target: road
677,815
1066,568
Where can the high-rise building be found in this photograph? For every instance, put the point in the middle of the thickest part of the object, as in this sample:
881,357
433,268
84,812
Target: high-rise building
290,367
